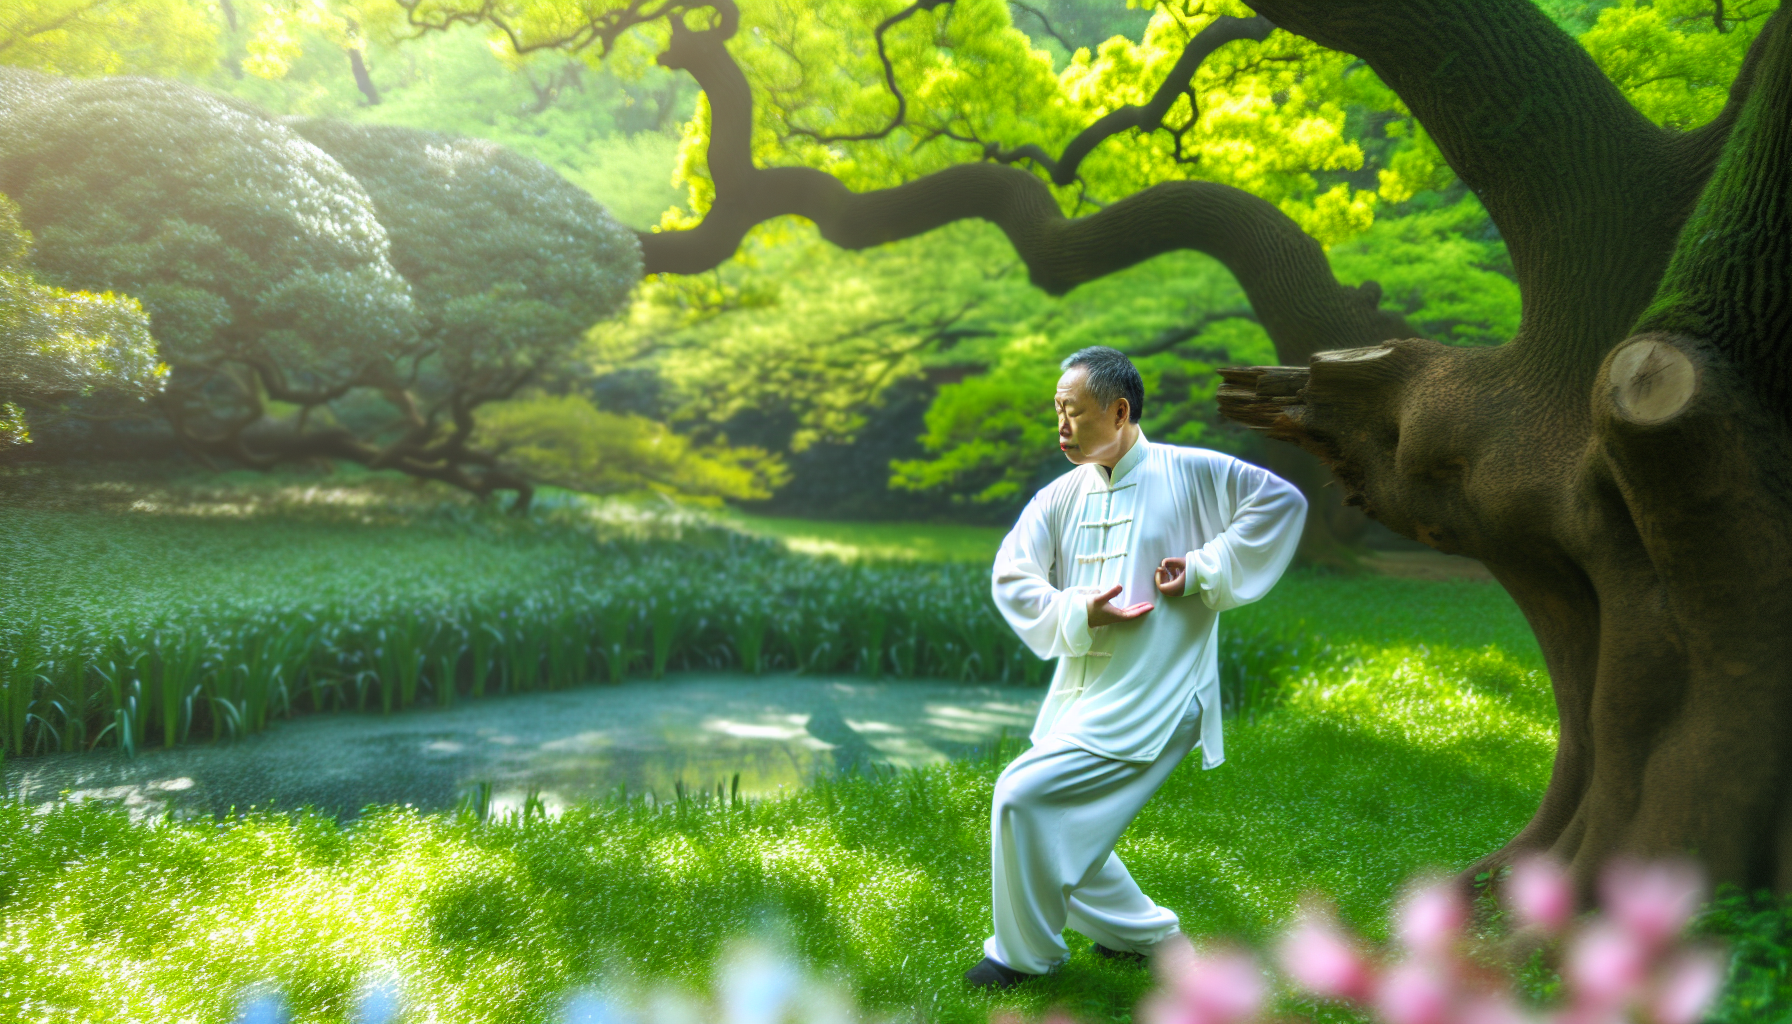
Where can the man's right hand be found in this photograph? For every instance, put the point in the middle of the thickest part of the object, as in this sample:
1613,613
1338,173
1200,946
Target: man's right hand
1101,613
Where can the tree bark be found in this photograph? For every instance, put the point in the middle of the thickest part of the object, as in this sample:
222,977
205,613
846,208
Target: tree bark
1628,481
1633,495
429,449
363,81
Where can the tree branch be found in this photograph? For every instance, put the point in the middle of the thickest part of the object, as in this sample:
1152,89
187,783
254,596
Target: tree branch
901,115
1171,337
1727,284
1045,22
357,66
1147,118
1700,147
1284,272
601,27
1150,117
21,32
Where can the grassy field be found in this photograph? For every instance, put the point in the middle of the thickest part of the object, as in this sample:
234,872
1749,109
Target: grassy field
877,541
1380,727
1406,725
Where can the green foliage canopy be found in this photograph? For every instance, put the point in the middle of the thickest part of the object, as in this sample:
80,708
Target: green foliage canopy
56,344
357,303
508,263
1309,129
567,441
109,37
247,246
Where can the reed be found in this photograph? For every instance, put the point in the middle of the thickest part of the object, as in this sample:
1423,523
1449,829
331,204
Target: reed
196,628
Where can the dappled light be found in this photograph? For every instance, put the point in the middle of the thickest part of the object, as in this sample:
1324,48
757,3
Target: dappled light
895,511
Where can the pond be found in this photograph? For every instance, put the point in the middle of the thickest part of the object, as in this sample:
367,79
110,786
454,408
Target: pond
698,730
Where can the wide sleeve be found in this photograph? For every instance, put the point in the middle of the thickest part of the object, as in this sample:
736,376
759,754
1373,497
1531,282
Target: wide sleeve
1240,564
1052,623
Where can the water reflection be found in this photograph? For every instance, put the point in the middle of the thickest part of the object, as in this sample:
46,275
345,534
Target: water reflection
697,731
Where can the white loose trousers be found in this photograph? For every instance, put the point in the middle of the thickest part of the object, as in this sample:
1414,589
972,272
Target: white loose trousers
1057,813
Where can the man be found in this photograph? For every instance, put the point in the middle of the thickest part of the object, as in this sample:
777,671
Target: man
1137,686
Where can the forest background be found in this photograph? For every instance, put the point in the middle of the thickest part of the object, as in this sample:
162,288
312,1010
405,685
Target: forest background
903,381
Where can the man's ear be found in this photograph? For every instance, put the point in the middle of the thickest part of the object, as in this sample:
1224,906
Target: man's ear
1122,413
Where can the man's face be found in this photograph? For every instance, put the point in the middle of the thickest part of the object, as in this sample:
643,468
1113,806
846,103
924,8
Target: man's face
1086,431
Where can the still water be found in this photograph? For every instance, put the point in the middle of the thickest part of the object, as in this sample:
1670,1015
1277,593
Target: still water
697,730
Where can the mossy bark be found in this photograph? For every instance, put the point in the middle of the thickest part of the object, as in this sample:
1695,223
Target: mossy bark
1628,481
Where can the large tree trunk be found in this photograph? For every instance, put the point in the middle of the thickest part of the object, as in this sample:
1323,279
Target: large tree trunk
1622,466
1634,495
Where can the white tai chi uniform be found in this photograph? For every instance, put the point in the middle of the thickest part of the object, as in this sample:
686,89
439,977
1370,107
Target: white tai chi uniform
1128,700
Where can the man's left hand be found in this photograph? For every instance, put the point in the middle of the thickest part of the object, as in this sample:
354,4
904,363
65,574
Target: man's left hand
1172,576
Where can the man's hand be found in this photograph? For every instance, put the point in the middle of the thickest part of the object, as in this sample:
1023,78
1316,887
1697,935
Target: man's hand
1172,576
1101,613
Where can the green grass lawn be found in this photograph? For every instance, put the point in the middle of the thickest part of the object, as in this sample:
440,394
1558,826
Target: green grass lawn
1412,729
922,541
1387,726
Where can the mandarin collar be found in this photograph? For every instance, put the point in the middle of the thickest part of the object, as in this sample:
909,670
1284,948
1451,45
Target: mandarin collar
1133,456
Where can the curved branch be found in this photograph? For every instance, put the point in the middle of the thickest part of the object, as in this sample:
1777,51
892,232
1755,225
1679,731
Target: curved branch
1171,337
602,27
1150,117
1701,146
1045,22
901,116
1283,270
21,32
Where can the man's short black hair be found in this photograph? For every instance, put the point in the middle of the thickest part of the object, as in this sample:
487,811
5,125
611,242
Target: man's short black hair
1111,376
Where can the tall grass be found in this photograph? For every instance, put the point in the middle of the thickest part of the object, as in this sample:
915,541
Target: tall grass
173,617
133,667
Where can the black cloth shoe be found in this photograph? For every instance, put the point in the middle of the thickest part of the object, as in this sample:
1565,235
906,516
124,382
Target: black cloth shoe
991,975
1123,955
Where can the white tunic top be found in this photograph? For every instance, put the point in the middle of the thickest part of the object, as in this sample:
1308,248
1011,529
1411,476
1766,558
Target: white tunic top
1119,690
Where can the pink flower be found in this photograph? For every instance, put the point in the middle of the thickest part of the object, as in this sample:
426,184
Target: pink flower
1688,985
1322,962
1431,919
1606,967
1224,987
1539,893
1413,993
1493,1009
1652,900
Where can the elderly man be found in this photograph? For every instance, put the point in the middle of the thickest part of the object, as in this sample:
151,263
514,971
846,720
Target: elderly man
1137,686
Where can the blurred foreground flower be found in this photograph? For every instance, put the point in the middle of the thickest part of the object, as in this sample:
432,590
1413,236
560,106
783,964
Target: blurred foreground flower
1627,965
1225,987
754,984
1624,965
